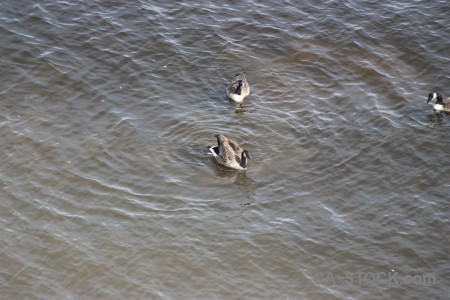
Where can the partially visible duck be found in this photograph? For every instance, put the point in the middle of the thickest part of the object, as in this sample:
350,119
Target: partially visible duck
238,89
229,154
440,104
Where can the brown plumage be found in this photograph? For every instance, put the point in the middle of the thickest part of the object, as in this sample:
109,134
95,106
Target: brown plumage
229,154
238,89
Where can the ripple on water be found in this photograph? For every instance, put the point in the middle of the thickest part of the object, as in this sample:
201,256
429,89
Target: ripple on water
107,111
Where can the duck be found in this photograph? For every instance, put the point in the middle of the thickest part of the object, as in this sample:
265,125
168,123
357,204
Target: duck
229,154
440,104
238,89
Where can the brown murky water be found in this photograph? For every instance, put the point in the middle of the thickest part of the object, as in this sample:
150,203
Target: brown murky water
106,112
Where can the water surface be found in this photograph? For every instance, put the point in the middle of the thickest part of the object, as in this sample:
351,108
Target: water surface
106,112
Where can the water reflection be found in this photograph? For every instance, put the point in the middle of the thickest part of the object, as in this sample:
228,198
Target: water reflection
240,176
238,108
435,119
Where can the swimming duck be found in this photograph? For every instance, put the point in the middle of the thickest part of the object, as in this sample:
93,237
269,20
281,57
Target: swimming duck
238,88
440,104
229,154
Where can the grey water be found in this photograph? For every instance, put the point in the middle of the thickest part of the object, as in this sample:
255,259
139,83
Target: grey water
106,112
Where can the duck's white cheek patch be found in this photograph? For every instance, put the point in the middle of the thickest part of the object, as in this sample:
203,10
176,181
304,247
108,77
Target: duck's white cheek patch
211,149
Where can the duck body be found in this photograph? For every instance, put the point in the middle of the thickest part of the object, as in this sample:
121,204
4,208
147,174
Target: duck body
238,89
440,104
229,154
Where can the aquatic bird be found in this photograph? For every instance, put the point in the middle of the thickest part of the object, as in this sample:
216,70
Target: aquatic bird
238,88
229,154
440,104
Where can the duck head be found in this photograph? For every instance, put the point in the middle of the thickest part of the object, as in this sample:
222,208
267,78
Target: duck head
244,156
437,96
